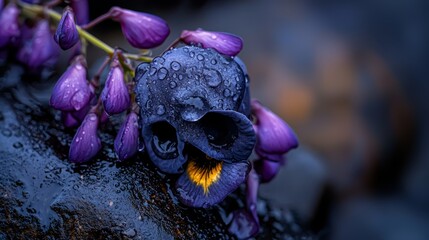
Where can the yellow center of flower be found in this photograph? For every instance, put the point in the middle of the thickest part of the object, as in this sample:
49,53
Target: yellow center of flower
204,173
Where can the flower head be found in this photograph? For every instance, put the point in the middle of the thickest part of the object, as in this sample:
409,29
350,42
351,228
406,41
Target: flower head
274,136
66,35
224,43
72,92
142,30
85,143
126,142
40,50
115,94
9,27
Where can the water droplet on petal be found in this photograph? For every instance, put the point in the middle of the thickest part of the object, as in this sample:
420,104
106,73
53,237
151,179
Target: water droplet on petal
18,145
212,77
160,110
175,66
213,61
152,71
191,54
200,57
162,73
173,84
226,92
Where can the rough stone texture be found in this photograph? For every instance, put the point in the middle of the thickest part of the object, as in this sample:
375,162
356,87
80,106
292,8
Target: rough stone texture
43,196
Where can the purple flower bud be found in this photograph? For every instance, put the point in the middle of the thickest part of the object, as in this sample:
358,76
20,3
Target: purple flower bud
268,168
40,50
66,35
274,136
71,92
224,43
115,94
85,143
126,142
9,27
80,7
142,30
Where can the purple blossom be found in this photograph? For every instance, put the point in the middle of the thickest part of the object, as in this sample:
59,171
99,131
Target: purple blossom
9,27
66,35
142,30
85,143
80,8
115,94
224,43
126,142
274,136
40,50
267,168
72,92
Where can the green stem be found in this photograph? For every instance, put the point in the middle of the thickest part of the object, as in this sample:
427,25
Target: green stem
38,10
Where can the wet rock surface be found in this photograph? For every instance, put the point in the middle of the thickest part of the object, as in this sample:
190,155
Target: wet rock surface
43,196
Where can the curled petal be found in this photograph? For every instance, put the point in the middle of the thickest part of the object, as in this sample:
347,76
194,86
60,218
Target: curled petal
274,136
268,169
224,43
85,143
115,94
142,30
9,27
41,49
126,142
66,35
207,181
71,92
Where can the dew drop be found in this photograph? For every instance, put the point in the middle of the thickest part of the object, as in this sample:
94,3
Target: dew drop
200,57
162,73
152,71
213,61
175,66
6,132
191,54
160,110
17,145
148,104
173,84
180,77
226,92
212,77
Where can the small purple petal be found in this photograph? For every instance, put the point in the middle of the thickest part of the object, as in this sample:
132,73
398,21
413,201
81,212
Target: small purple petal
66,35
142,30
126,142
40,50
224,43
274,136
268,169
9,27
206,184
71,92
243,225
115,94
85,143
80,8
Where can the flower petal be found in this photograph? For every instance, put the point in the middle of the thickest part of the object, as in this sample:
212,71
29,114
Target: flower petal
85,143
66,35
274,136
142,30
243,225
126,142
9,27
224,43
80,8
115,96
207,181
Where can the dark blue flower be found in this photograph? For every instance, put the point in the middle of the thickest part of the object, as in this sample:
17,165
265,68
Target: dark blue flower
274,136
126,142
85,144
9,27
225,43
115,94
41,50
72,91
142,30
66,35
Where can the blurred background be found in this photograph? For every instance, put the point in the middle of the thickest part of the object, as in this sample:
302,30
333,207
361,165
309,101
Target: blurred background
350,77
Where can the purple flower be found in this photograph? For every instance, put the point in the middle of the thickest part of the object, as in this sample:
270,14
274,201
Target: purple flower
224,43
85,143
274,136
267,168
126,142
72,92
66,35
80,7
115,94
142,30
69,120
9,27
40,50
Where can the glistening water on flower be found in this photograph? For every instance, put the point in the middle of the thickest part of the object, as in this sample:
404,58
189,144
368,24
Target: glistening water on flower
189,109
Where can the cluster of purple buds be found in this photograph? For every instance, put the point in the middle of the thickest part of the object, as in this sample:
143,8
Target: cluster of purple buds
220,161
